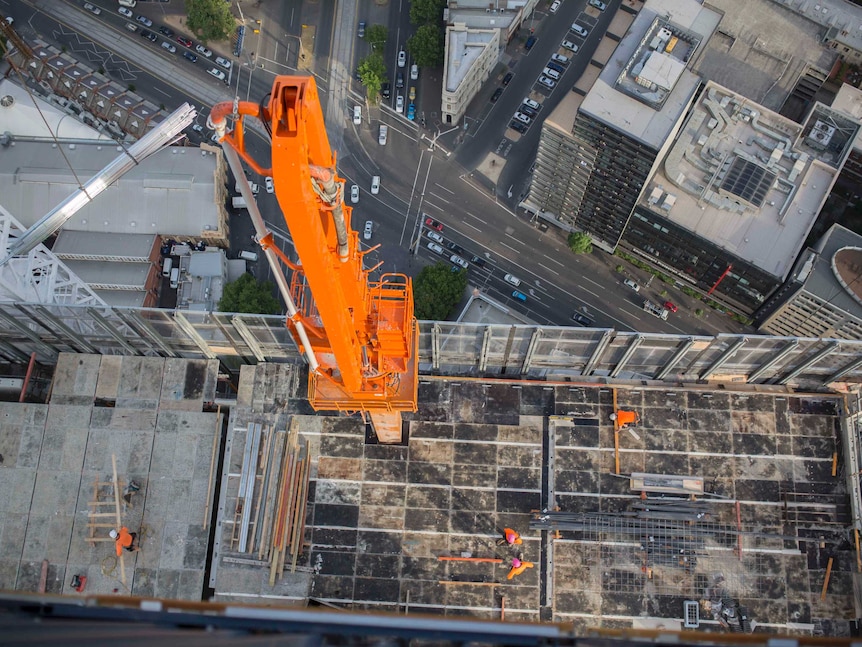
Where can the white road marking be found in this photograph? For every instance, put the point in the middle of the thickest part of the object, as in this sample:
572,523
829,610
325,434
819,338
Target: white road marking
549,269
440,198
444,188
476,217
553,260
471,226
507,247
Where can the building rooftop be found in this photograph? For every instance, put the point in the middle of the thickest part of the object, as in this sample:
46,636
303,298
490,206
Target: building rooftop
71,244
174,191
835,273
762,51
842,19
645,87
750,180
479,17
564,115
465,45
111,276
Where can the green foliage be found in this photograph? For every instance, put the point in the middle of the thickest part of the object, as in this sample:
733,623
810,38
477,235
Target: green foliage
426,45
698,312
619,269
247,295
210,19
437,290
663,293
580,243
372,72
376,35
424,12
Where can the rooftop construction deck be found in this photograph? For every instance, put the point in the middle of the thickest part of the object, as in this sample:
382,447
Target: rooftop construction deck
752,552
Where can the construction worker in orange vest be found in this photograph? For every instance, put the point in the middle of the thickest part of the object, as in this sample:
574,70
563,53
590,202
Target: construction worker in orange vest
124,539
510,537
518,567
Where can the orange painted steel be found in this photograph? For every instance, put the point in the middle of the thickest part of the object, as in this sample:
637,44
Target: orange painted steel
362,332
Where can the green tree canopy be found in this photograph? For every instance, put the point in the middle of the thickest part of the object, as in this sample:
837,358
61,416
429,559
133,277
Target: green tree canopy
427,11
426,46
580,243
210,19
437,290
247,295
376,35
372,72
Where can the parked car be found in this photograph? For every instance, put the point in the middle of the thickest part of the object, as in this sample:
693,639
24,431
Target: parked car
167,31
555,5
203,51
518,126
414,72
433,235
478,261
412,94
507,79
556,67
399,80
434,247
634,286
198,128
411,111
527,110
369,229
123,11
402,58
582,319
361,30
569,45
223,62
149,35
496,95
548,83
169,46
533,104
269,185
598,4
457,260
519,296
146,22
354,193
530,42
216,73
399,103
433,224
185,42
670,306
96,11
190,57
559,59
580,30
524,119
455,248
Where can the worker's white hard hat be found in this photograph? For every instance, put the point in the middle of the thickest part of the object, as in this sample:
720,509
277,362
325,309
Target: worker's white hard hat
113,534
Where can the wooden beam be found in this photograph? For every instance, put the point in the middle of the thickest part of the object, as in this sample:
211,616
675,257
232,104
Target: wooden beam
43,577
834,463
826,579
858,555
469,583
490,560
212,465
116,483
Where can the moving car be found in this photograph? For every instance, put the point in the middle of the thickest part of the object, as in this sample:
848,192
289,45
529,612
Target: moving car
548,83
357,115
361,30
433,235
399,81
354,193
580,30
384,131
517,125
269,186
555,5
216,73
634,286
582,319
511,278
198,128
402,58
569,45
386,90
375,185
399,103
598,4
496,95
519,296
223,62
457,260
507,79
203,51
670,306
433,224
414,72
369,229
434,247
476,260
146,22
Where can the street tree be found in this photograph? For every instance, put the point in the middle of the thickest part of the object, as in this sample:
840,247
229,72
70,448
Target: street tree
580,243
426,46
210,19
247,295
376,35
372,74
424,12
436,290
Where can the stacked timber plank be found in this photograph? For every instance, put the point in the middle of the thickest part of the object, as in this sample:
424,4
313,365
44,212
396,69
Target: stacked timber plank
269,518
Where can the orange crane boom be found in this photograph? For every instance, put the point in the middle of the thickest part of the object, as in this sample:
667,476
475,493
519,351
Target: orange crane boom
360,335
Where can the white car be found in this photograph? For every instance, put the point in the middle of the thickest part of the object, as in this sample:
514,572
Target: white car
457,260
168,46
434,247
569,45
121,10
269,186
399,103
559,58
216,73
548,83
198,128
375,185
369,228
580,30
146,22
402,58
357,115
414,71
384,132
433,235
634,286
531,104
524,119
555,5
223,62
514,280
354,193
203,51
598,4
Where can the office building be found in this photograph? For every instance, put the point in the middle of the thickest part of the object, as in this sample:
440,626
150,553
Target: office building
471,55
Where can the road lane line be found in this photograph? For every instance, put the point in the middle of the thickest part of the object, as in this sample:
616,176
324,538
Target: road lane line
549,269
553,260
476,217
517,240
471,226
444,188
507,247
440,198
440,209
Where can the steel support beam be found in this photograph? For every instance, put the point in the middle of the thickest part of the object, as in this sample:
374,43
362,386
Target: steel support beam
108,327
146,330
841,372
189,329
483,353
531,349
723,358
47,315
768,364
832,347
249,339
596,355
633,346
677,357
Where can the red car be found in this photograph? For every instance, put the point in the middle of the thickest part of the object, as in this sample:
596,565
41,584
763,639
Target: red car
433,224
670,306
185,42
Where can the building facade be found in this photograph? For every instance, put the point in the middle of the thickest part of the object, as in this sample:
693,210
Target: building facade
471,55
